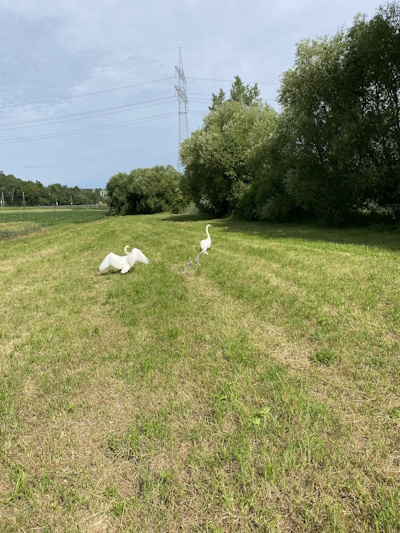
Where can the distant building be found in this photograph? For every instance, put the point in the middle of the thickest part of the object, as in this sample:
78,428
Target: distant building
102,192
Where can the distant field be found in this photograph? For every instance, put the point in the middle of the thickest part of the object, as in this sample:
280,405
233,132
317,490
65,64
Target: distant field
18,222
260,392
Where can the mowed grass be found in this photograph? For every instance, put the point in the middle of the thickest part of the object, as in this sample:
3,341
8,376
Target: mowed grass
258,393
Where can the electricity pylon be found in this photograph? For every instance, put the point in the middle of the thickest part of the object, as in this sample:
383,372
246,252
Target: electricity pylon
183,128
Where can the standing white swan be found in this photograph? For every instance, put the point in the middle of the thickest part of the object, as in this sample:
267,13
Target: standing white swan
205,244
124,263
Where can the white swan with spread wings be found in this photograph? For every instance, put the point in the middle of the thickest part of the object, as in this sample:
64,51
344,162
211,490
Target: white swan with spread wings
126,262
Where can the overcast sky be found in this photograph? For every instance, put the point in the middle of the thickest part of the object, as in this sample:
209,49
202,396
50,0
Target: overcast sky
87,87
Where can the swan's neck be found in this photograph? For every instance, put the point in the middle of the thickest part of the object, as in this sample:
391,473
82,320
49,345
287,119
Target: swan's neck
208,235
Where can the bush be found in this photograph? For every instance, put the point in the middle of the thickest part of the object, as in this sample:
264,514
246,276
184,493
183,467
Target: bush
146,191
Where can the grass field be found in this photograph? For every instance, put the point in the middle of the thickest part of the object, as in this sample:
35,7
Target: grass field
258,393
16,222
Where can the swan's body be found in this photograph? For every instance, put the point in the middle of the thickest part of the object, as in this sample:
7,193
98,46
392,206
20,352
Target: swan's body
205,244
124,263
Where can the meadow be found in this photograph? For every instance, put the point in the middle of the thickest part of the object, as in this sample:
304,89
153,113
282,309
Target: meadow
260,392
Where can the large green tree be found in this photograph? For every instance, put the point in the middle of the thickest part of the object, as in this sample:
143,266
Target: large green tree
327,168
373,67
337,147
217,156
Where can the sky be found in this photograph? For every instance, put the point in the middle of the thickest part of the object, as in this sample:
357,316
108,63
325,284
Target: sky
88,87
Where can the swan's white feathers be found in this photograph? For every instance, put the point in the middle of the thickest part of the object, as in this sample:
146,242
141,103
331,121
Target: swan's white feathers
124,263
137,255
205,244
113,260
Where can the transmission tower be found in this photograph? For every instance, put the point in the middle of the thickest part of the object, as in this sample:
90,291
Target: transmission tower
183,128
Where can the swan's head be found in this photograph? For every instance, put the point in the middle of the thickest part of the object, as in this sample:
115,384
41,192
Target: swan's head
209,225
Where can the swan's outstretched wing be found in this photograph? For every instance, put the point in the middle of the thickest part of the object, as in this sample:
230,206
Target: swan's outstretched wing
113,260
137,255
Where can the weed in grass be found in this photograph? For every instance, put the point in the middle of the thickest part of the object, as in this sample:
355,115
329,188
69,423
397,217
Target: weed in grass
46,483
394,413
19,477
226,400
325,357
117,509
376,362
111,492
258,421
153,432
387,516
118,446
238,351
71,498
208,527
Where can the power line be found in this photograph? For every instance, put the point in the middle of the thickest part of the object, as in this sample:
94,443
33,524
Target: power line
90,114
181,93
87,130
57,99
230,81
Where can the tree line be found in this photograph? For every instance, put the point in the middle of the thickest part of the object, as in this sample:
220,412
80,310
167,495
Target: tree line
17,193
331,154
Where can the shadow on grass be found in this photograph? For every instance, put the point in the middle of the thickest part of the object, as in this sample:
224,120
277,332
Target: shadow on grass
376,236
185,218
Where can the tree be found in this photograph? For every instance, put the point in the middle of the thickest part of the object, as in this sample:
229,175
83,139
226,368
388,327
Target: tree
338,138
117,193
373,61
244,94
318,139
145,191
267,197
217,156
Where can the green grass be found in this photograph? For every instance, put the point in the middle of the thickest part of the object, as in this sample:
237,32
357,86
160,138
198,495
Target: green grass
260,392
17,222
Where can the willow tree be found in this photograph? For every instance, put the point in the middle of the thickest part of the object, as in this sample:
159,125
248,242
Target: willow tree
373,62
339,134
